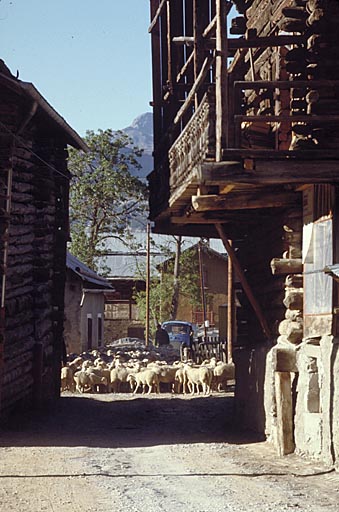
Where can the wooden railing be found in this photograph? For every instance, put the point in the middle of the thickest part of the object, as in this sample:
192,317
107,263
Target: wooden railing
195,144
192,53
210,348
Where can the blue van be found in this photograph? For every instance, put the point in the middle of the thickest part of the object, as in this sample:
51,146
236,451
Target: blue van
180,333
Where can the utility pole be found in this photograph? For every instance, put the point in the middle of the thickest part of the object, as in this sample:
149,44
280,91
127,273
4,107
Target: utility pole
202,287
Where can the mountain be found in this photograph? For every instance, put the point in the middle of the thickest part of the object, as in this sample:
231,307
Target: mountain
141,131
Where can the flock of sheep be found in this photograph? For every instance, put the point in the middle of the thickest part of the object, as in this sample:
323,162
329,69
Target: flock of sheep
140,370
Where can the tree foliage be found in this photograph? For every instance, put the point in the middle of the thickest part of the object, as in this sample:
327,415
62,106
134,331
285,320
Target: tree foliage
105,193
162,285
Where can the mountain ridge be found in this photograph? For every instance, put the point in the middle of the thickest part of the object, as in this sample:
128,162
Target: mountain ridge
141,132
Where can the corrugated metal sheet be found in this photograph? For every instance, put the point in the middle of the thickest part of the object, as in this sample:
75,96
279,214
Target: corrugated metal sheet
333,270
85,273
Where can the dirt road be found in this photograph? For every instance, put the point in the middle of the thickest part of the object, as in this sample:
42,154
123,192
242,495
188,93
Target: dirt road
104,453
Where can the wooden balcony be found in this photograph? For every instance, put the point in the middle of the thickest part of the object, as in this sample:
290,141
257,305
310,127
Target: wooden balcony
227,135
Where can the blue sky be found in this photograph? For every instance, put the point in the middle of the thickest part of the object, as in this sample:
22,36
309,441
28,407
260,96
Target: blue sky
91,60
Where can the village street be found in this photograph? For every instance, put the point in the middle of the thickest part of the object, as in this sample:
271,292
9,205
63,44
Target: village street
100,453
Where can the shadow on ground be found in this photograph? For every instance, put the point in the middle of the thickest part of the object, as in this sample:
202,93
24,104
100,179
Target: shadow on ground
127,422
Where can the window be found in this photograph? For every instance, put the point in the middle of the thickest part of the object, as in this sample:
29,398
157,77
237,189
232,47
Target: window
123,310
318,285
99,329
89,331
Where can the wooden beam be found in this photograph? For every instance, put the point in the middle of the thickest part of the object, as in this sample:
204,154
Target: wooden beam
284,412
264,42
226,189
230,308
221,80
303,118
156,83
245,201
187,40
183,70
286,266
282,84
210,27
200,78
169,48
216,217
238,44
233,155
156,15
268,172
241,275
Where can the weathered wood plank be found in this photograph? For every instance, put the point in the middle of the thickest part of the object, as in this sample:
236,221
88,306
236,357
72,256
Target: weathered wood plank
286,266
245,201
283,171
157,14
284,405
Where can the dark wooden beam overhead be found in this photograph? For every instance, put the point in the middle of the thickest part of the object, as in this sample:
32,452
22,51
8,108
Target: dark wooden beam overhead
245,201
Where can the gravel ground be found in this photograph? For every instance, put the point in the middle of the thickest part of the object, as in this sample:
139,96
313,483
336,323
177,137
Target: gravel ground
103,453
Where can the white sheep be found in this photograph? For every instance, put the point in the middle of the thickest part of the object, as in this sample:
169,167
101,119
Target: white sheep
88,381
67,380
144,378
118,376
166,375
222,373
198,376
180,380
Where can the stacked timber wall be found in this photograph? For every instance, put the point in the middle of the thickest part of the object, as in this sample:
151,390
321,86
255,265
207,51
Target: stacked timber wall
34,231
301,408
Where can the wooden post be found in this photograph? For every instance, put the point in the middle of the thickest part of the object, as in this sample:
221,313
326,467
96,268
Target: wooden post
221,85
169,43
198,15
5,235
243,280
156,66
285,440
230,309
202,287
148,268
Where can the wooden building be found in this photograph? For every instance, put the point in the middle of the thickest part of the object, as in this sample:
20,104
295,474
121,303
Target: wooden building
121,311
34,229
84,307
211,272
246,148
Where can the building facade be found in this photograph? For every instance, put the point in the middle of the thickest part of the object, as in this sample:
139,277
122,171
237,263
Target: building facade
84,307
34,229
246,119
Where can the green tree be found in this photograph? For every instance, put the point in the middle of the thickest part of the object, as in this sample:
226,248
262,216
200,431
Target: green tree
164,281
105,193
